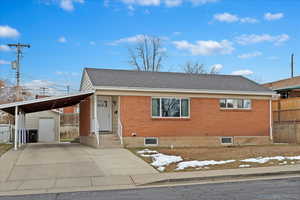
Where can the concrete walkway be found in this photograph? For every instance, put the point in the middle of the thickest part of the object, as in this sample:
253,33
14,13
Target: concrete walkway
45,167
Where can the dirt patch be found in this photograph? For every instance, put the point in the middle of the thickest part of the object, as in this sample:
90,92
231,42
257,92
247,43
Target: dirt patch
229,153
4,148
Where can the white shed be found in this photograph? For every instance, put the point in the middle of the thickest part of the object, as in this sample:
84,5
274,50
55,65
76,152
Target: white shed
45,124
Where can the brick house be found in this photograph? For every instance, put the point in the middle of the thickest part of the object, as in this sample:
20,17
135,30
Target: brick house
174,109
287,88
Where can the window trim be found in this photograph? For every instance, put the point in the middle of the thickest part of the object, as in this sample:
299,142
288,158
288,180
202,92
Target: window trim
231,143
250,108
157,141
160,107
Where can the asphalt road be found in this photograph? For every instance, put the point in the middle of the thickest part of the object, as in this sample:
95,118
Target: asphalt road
280,189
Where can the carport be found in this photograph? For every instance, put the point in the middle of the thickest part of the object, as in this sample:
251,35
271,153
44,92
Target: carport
20,109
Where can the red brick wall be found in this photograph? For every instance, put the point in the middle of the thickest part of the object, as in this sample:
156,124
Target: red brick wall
206,119
85,117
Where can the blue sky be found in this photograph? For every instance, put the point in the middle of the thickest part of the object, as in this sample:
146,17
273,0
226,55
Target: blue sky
253,38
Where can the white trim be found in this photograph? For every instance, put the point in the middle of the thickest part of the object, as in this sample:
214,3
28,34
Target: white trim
186,90
16,128
160,109
157,142
20,103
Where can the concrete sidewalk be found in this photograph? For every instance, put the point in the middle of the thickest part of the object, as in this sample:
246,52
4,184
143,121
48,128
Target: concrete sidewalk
20,173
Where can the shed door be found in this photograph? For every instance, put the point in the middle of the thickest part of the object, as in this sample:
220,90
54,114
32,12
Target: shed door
46,130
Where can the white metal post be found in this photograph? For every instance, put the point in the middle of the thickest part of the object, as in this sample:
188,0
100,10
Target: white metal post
16,128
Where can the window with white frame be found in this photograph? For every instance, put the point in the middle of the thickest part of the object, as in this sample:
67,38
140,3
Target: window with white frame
235,103
170,107
150,141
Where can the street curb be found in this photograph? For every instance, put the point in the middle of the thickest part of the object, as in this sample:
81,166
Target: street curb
222,177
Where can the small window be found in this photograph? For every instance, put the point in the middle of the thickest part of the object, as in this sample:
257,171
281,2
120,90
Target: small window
226,140
151,141
235,103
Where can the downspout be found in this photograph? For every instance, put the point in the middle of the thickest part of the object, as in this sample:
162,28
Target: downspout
271,123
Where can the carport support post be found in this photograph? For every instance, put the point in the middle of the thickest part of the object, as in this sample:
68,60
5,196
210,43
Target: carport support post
16,128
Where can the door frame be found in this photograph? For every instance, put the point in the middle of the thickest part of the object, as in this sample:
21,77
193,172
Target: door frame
109,98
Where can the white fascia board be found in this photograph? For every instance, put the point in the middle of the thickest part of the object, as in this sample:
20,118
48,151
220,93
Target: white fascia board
20,103
271,93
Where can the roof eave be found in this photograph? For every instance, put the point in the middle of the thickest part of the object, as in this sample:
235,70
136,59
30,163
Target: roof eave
137,89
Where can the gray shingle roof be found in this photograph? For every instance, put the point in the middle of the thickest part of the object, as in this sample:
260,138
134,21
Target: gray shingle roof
171,80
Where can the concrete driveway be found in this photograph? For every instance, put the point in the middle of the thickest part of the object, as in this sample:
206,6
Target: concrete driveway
46,166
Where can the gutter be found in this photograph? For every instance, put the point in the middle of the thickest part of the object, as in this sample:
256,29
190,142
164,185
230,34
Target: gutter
139,89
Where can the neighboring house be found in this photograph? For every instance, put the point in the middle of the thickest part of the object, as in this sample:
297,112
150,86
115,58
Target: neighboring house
43,126
174,109
287,88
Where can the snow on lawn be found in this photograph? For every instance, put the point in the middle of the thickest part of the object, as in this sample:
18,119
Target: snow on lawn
197,163
243,166
262,160
159,160
146,151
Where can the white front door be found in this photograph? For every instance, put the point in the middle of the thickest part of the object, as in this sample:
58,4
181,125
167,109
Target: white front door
104,115
46,130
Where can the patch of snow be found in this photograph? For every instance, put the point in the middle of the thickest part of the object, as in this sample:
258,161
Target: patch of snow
148,151
197,163
243,166
160,159
262,160
293,158
161,169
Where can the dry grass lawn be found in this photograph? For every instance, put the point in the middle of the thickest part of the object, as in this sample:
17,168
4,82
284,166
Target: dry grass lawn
4,148
229,153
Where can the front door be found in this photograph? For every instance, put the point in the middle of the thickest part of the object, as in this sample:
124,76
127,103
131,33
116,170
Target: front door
104,115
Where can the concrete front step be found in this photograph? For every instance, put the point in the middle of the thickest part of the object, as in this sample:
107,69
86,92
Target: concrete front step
109,141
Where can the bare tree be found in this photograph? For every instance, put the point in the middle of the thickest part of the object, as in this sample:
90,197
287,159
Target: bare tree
191,67
194,68
147,54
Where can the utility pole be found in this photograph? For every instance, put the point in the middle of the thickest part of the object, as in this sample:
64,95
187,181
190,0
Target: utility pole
292,65
16,65
68,89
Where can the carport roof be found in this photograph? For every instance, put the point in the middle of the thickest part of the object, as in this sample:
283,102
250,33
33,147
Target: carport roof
47,103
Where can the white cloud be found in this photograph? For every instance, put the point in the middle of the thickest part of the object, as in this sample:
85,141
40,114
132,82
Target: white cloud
275,16
8,32
62,39
231,18
176,33
4,47
205,48
4,62
250,55
132,39
216,68
68,5
226,17
242,72
92,43
167,3
249,20
61,73
253,38
173,3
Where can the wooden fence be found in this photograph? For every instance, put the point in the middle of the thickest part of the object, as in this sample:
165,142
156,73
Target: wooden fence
286,120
